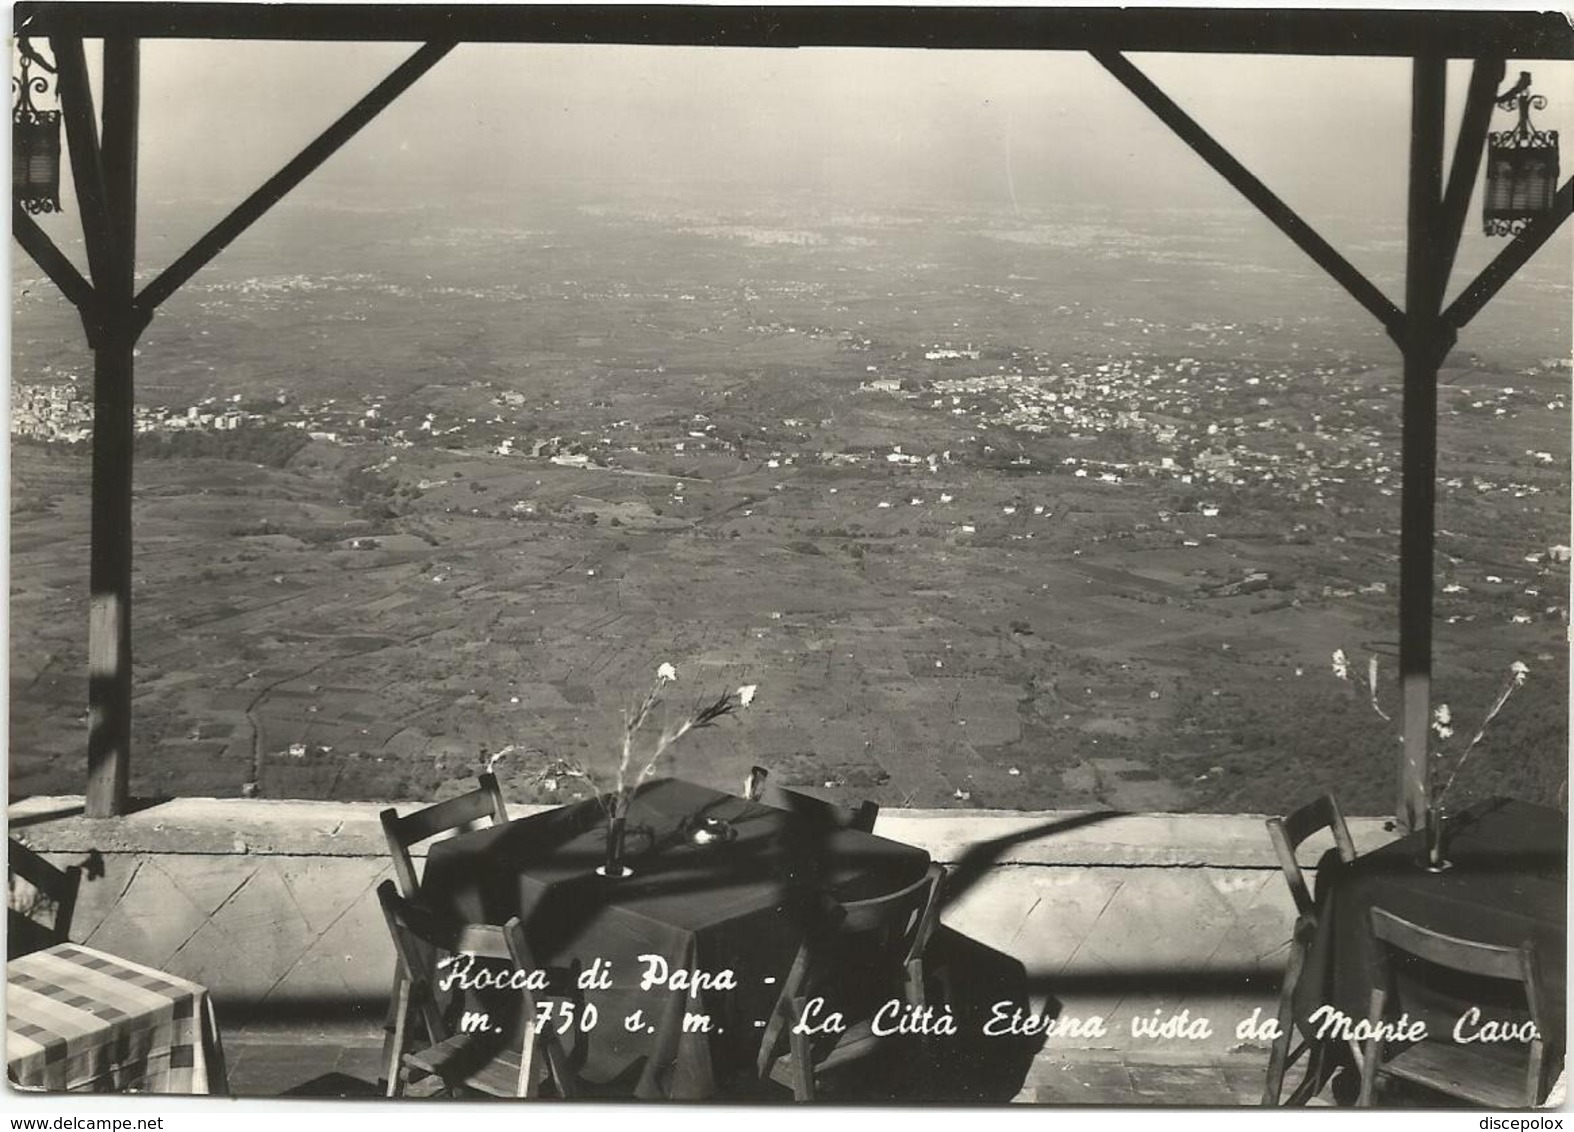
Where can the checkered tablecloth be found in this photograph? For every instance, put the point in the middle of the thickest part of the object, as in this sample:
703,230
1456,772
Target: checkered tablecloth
80,1020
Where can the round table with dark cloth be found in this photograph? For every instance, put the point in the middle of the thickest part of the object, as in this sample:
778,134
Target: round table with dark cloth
1508,883
741,905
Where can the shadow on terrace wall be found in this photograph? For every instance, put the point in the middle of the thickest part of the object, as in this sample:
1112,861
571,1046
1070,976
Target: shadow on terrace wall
974,864
335,1085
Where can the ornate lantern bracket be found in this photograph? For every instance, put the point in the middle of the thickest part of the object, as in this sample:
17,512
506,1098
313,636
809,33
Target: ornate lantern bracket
35,135
1522,166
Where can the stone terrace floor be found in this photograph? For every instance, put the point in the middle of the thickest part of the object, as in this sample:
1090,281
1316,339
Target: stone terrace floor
283,1063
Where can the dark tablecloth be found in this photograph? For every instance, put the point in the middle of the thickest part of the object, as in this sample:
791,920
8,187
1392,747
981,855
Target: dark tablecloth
1508,883
742,905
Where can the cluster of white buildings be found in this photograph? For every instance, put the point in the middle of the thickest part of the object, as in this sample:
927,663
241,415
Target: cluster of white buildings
51,412
1171,412
949,353
63,412
161,419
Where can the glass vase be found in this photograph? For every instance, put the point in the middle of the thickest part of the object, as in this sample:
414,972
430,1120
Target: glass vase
614,866
1434,841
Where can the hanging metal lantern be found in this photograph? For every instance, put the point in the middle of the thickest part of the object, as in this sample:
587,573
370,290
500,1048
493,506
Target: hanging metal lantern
1522,166
35,137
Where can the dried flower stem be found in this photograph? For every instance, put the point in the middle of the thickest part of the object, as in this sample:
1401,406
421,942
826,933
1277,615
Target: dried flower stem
700,717
631,725
1508,690
1341,667
1371,684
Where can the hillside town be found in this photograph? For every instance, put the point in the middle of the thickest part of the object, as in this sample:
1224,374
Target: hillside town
1300,435
1226,442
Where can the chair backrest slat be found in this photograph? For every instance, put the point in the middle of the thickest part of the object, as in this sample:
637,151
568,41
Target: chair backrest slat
484,802
825,815
903,908
1471,957
1288,832
58,886
757,787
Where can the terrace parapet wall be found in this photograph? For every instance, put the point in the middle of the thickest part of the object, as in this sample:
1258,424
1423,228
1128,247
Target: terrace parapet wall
271,904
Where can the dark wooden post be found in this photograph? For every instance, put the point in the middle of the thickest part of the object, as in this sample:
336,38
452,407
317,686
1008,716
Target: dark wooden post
109,619
1424,345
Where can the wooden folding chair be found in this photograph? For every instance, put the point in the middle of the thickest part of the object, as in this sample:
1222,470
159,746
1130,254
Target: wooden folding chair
1287,834
825,815
483,803
894,930
45,887
1495,1074
459,1056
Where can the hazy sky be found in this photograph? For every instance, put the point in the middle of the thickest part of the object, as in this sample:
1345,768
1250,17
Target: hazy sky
1330,135
724,127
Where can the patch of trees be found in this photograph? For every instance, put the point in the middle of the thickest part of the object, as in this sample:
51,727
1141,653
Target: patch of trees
373,494
271,447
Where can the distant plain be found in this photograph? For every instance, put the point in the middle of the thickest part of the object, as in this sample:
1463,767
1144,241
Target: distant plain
565,439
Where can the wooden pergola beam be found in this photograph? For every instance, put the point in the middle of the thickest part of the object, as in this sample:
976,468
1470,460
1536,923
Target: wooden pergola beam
1518,252
1309,31
64,274
81,121
1262,198
299,168
109,567
1425,254
1480,100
